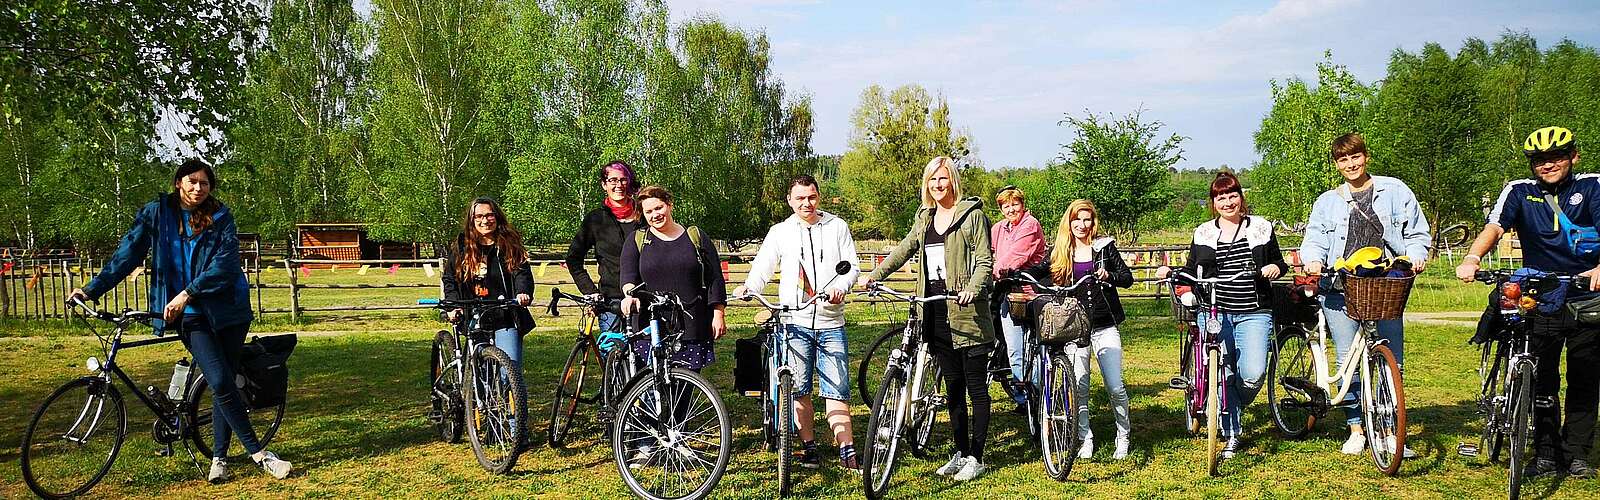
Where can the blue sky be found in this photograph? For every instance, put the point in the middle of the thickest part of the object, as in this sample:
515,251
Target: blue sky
1012,70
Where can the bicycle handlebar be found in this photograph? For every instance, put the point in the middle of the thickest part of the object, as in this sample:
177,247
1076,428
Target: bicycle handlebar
1210,281
1498,276
127,315
876,289
780,307
557,296
1028,279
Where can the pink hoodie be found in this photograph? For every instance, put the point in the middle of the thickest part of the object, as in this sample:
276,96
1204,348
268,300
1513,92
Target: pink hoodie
1016,246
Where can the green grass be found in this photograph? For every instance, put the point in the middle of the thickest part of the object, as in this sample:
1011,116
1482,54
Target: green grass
356,427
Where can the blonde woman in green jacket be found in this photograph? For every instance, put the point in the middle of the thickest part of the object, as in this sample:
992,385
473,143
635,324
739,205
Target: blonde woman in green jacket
950,236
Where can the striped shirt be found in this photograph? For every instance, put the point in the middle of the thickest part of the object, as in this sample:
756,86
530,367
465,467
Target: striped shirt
1237,296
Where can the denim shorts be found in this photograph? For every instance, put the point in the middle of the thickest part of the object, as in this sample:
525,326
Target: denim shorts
820,354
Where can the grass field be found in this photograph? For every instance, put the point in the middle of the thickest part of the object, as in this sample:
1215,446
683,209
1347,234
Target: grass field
356,425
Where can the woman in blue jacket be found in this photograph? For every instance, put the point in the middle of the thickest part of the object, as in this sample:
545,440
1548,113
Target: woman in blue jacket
196,273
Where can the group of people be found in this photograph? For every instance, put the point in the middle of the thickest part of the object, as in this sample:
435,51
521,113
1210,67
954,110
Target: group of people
636,242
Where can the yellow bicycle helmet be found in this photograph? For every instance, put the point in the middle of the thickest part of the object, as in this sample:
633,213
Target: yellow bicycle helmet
1548,139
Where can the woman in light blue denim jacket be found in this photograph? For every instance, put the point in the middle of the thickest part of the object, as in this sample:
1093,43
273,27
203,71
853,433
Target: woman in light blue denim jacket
1366,210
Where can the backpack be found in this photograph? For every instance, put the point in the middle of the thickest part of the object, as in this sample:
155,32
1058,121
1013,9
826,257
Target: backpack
264,370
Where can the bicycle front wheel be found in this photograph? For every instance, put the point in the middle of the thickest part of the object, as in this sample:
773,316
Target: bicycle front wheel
1385,412
1521,431
1290,377
496,409
569,391
1056,409
671,441
883,433
263,421
925,410
873,361
783,406
1214,386
1491,374
73,438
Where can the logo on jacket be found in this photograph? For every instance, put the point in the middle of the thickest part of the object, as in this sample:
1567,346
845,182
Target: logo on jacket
1575,199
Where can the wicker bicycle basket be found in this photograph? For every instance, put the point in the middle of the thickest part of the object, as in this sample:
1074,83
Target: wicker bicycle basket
1376,298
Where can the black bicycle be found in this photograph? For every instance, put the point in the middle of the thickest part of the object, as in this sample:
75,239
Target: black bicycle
606,350
75,435
470,377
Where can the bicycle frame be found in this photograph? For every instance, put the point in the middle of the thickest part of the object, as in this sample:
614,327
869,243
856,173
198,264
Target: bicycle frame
1344,377
169,414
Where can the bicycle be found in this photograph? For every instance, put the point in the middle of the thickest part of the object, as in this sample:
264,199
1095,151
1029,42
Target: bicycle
672,434
908,400
1205,387
604,349
1055,402
778,424
469,376
1301,383
1506,370
61,455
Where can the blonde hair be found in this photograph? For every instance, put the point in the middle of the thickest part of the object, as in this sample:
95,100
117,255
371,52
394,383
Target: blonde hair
1061,258
933,166
1010,195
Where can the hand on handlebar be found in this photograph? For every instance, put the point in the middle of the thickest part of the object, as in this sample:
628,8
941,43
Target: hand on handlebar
1162,272
1271,272
78,293
741,293
453,315
629,305
1467,271
1314,268
965,298
835,296
524,299
865,282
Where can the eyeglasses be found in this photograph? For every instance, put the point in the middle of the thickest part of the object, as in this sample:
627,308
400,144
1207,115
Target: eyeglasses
488,216
616,180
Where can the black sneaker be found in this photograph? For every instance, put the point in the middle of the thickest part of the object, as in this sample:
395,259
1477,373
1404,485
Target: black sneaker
1540,467
808,458
1580,469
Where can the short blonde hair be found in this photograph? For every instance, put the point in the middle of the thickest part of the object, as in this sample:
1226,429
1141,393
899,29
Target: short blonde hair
1010,195
933,166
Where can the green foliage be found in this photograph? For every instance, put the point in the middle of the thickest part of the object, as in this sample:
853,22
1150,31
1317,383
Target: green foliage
1294,139
1121,164
1428,131
892,137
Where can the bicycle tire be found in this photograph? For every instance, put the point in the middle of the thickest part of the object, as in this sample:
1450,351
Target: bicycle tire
569,392
880,455
1521,427
636,407
1291,407
1491,390
1057,412
448,411
1214,386
97,392
785,424
926,410
496,428
1385,416
866,368
264,421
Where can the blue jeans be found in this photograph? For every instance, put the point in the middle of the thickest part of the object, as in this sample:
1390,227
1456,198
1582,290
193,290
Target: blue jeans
508,340
1344,331
217,353
1015,338
820,353
1246,340
609,321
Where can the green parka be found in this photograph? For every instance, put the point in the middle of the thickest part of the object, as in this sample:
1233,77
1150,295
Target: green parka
970,264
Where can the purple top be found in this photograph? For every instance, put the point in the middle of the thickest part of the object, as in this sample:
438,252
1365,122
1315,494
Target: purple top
1081,269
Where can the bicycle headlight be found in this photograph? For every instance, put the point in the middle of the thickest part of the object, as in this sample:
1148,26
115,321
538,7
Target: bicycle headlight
92,364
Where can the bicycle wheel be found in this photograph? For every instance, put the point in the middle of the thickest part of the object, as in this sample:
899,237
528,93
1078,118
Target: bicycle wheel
883,433
671,441
1056,410
784,422
925,410
73,438
444,379
497,409
1385,415
873,361
569,392
616,376
1290,376
1521,431
264,421
1214,387
1492,398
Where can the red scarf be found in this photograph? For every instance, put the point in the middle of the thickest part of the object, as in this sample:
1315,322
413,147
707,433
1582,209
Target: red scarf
620,210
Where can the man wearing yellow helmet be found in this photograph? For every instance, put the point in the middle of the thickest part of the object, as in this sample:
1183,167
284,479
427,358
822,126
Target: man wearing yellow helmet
1365,212
1538,209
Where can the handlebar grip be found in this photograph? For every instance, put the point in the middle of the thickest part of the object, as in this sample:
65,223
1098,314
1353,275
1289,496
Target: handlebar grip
1581,282
1483,276
554,311
428,302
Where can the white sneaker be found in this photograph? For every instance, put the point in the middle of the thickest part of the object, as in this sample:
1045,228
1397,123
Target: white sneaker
1388,447
270,462
1354,445
640,457
955,465
971,470
1230,448
219,471
1122,448
1086,450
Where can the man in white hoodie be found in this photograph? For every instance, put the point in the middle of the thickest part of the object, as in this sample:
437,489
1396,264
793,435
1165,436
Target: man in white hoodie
804,249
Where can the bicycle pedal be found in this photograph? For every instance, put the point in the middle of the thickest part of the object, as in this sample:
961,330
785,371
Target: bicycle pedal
1178,383
1467,450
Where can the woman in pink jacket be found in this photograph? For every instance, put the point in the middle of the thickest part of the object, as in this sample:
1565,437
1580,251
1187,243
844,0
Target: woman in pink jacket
1018,242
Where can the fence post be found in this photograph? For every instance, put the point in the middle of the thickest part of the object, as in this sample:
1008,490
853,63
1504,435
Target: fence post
294,291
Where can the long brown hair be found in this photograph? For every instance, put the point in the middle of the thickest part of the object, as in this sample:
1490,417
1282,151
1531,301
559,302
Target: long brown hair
199,217
1061,258
505,237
